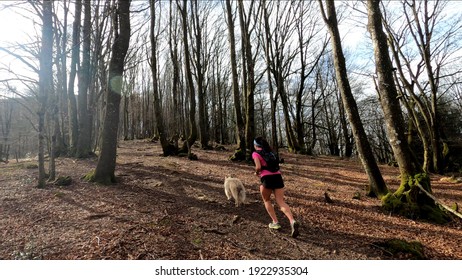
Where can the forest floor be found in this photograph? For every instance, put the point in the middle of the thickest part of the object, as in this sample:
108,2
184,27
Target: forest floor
175,208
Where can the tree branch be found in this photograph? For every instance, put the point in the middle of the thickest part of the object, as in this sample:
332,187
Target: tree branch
437,201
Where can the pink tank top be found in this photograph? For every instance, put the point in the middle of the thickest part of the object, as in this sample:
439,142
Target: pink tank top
263,163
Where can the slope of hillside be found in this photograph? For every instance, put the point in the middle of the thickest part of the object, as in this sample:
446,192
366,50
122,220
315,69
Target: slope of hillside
174,208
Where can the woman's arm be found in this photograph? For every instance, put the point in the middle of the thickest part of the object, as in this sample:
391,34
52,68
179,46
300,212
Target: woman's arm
257,165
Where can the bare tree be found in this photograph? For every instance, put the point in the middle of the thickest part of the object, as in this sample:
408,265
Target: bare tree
329,110
75,58
219,72
59,119
104,172
166,148
240,126
376,182
279,27
248,74
421,85
45,82
293,44
308,39
410,198
5,125
200,14
34,96
84,137
192,137
175,85
102,38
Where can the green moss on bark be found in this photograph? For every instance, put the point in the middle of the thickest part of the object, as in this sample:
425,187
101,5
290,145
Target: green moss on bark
63,181
401,249
238,155
411,202
90,177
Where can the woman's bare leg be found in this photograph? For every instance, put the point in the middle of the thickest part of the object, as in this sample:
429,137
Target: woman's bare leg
266,196
279,195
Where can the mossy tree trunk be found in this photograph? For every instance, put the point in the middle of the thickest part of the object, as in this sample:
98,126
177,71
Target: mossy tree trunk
408,200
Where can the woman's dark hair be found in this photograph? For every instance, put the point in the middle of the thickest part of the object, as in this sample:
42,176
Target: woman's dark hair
261,142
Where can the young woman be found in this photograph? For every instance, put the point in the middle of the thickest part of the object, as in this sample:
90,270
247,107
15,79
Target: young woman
271,183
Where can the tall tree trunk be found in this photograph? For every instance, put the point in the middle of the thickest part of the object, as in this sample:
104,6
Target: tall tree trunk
84,139
104,172
314,134
99,68
199,68
298,122
274,94
388,93
240,126
249,81
192,137
347,139
72,105
5,125
61,86
376,182
408,199
54,139
435,135
293,144
273,97
45,83
173,44
155,84
58,96
332,135
415,121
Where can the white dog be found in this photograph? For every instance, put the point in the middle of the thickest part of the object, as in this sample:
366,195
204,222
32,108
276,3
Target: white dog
235,189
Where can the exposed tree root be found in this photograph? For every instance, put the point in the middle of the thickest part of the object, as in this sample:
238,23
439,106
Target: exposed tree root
438,202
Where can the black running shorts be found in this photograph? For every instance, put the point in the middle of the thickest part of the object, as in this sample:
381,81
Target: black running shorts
272,181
